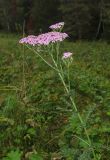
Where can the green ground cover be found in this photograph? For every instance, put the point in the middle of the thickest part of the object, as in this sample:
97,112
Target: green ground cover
35,115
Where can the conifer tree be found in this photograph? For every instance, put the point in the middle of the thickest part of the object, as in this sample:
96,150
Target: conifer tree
45,13
77,16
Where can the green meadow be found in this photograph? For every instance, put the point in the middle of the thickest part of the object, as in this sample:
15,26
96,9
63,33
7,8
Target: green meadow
36,120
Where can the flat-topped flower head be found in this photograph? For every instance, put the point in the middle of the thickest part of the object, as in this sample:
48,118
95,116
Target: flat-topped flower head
28,40
44,39
67,55
57,25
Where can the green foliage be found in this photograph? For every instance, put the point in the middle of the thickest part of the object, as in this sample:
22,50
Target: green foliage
41,121
35,157
12,155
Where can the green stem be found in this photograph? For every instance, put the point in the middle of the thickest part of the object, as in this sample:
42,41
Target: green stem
42,58
79,116
74,107
56,68
57,48
23,65
81,139
76,110
68,76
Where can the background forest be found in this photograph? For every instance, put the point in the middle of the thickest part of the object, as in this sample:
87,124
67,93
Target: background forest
84,19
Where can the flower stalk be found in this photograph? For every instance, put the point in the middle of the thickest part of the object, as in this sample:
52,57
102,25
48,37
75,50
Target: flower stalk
47,41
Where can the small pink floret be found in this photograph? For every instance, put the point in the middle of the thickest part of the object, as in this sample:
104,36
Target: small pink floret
44,39
67,55
57,25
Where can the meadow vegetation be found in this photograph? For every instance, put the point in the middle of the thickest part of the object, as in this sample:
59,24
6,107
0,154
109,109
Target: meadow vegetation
36,120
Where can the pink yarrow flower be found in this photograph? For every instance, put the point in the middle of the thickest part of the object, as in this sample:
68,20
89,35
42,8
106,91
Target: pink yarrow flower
44,39
67,55
57,25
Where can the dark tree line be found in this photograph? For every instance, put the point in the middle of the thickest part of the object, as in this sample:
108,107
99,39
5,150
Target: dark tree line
84,19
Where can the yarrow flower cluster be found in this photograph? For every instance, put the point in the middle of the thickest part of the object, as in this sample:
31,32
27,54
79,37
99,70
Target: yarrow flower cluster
57,25
44,39
67,55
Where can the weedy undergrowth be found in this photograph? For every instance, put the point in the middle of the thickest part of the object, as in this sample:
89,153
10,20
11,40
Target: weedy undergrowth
42,122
